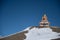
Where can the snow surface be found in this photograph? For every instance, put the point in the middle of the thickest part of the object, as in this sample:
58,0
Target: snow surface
41,34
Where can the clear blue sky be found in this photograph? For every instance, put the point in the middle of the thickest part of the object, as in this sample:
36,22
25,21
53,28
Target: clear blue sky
16,15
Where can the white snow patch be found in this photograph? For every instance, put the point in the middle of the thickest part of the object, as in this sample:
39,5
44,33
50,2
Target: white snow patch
41,34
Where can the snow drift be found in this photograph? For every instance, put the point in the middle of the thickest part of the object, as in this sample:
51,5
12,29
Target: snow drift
41,34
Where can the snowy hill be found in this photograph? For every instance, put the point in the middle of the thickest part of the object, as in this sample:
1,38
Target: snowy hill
35,33
41,34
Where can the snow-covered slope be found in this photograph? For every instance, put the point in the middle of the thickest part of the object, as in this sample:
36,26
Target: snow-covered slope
41,34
